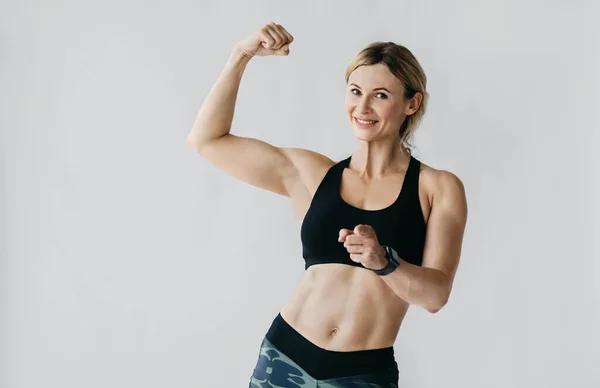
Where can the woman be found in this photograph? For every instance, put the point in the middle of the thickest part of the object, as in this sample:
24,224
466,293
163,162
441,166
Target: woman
380,230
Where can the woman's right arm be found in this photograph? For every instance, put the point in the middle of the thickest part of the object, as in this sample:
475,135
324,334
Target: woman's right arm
251,160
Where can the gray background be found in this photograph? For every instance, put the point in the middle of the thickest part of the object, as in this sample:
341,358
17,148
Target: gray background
115,235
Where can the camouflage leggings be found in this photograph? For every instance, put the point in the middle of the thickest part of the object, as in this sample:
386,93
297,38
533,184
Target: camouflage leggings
275,370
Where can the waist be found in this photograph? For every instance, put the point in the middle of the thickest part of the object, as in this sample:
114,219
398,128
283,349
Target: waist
344,308
325,364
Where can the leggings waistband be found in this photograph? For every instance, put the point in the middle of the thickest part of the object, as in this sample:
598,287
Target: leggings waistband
326,364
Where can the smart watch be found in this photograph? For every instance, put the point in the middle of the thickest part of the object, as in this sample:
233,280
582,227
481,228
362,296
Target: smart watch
393,261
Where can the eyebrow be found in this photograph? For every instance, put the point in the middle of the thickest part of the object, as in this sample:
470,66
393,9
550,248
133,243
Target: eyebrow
373,89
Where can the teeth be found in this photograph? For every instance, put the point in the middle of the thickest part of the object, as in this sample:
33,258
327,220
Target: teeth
365,122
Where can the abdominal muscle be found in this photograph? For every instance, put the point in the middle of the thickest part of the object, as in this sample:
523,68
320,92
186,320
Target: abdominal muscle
345,308
341,307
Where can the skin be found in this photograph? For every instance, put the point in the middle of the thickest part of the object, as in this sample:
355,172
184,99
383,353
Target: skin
335,306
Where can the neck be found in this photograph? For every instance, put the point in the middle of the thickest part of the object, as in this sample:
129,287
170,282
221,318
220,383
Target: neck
375,160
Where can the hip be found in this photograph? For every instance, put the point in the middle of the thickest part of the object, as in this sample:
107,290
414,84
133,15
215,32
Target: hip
287,359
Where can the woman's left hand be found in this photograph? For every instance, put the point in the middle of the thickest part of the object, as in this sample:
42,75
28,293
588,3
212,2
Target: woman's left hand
363,246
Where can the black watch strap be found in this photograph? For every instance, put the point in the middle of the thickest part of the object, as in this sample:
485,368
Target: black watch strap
393,262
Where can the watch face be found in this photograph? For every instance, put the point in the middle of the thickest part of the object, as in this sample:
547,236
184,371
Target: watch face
393,255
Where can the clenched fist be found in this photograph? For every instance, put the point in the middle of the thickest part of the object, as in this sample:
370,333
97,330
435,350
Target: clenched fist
271,39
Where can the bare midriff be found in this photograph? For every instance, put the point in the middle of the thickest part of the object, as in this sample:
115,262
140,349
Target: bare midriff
344,308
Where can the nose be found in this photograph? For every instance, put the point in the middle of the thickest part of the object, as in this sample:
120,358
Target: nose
363,107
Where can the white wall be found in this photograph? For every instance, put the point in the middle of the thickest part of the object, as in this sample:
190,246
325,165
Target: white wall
115,234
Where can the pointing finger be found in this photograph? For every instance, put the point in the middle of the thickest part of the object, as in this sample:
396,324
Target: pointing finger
343,234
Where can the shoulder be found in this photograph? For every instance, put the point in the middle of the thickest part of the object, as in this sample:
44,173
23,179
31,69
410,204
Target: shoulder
308,163
302,157
310,167
445,188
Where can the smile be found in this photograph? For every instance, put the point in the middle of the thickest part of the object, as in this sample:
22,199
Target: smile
364,122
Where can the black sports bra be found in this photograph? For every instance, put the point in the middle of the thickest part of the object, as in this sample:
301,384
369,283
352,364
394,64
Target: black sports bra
400,225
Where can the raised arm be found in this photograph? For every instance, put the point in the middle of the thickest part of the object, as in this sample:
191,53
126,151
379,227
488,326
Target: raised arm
251,160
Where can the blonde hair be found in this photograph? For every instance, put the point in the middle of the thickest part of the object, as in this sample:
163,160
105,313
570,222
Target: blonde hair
403,64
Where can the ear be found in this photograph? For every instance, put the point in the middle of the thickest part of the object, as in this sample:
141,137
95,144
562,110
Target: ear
413,104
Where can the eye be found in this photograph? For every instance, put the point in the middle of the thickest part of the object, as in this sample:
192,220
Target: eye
356,92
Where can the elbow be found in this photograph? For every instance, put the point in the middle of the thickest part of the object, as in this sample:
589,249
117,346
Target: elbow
194,144
442,294
435,309
437,306
201,144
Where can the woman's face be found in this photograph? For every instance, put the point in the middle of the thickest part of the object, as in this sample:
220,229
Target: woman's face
376,95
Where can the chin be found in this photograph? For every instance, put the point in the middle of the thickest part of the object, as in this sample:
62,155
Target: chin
364,135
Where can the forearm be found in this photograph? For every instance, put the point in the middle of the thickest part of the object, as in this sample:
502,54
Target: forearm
216,113
426,287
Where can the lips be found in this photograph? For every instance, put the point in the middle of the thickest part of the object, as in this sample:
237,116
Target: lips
364,122
360,118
